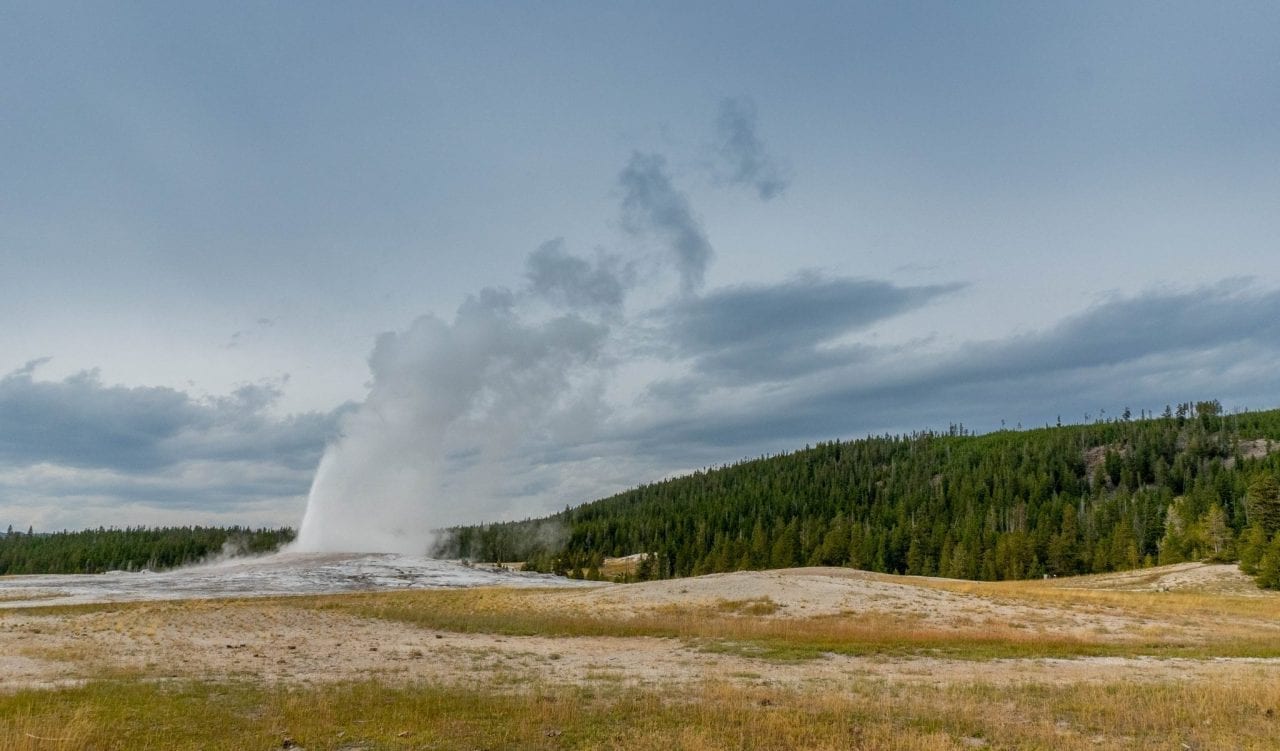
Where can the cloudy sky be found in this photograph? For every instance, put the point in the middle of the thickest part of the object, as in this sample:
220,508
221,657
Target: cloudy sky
504,257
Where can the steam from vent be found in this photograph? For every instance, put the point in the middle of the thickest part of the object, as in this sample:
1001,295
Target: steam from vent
460,412
454,403
451,402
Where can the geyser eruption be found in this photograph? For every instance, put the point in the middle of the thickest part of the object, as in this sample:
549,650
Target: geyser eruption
449,405
466,420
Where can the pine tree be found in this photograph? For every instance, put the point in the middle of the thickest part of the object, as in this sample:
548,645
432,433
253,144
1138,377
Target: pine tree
1218,534
645,569
1263,502
1269,566
1064,548
1252,546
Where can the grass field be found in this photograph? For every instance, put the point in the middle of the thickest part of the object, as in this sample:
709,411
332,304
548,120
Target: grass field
819,660
195,715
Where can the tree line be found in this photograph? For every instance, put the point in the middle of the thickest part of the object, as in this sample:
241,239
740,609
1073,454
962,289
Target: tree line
94,551
1193,483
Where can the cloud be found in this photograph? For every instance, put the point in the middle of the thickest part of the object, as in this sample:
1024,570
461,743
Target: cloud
575,282
52,497
754,333
80,422
76,452
1146,350
741,157
652,206
1123,329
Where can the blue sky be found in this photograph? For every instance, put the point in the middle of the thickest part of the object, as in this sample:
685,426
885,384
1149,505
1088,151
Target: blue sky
660,235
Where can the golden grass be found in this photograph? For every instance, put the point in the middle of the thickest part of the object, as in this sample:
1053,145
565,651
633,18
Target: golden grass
870,715
20,597
756,606
619,567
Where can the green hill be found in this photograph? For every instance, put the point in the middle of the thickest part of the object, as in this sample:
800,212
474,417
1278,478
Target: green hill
1193,483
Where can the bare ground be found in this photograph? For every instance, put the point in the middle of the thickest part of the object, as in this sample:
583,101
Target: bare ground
275,642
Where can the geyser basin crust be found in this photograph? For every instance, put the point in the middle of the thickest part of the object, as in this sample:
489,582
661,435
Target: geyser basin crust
280,574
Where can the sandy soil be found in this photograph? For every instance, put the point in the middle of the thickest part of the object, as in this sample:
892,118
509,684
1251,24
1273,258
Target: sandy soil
274,642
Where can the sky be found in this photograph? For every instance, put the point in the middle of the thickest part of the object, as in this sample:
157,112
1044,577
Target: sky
500,258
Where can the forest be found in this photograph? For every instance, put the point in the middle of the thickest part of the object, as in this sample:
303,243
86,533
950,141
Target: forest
94,551
1193,483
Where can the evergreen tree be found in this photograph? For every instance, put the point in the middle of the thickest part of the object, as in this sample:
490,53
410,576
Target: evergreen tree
1252,546
1218,535
1263,502
1064,552
1269,565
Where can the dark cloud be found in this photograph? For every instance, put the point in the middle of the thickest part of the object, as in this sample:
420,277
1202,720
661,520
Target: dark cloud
576,282
768,332
1142,351
80,422
742,159
194,486
652,206
1124,329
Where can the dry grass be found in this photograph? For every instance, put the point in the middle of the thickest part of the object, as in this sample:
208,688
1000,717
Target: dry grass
180,716
21,597
754,606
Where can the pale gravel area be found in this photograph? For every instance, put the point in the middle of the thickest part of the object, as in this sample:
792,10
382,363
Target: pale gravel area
273,642
1219,578
816,592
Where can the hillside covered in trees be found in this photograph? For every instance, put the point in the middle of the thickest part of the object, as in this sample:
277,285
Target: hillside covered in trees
94,551
1190,484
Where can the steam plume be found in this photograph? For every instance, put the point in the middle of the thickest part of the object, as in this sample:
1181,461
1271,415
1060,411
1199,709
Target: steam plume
460,411
450,402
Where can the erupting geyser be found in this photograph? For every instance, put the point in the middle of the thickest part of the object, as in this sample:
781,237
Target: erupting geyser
452,408
462,415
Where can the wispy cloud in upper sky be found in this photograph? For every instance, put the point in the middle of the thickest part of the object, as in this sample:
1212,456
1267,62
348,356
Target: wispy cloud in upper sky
742,156
651,205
